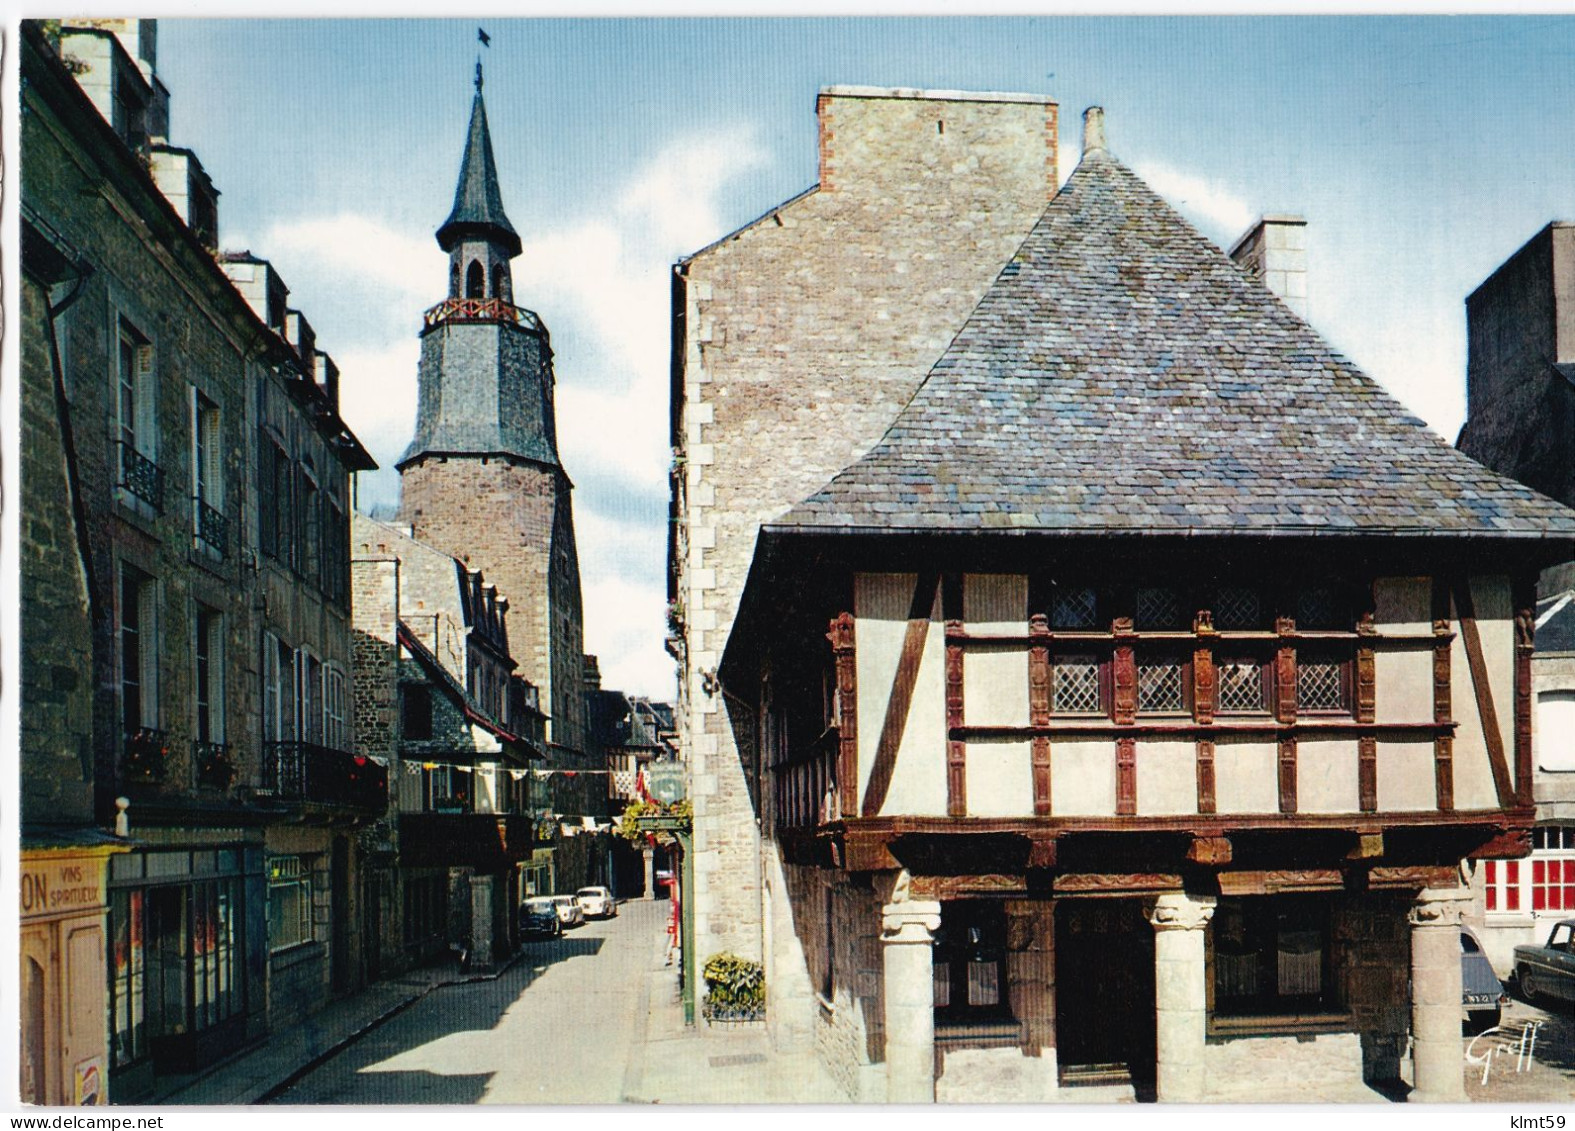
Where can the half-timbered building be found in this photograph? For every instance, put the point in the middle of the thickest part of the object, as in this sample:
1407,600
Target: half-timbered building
1124,715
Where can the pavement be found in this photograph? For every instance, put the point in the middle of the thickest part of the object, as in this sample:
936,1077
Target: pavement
595,1018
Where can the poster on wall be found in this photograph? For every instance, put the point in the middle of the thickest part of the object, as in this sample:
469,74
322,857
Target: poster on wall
88,1090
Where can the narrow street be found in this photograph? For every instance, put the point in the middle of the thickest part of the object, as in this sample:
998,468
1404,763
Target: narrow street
559,1026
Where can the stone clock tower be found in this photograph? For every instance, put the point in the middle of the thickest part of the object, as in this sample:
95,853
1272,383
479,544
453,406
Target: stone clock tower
482,480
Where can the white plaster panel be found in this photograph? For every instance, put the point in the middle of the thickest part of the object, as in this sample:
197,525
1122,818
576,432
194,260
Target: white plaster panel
1167,778
1406,780
918,785
1496,622
1083,777
1403,685
1403,605
1245,777
880,604
995,686
995,604
1000,780
1326,776
1473,775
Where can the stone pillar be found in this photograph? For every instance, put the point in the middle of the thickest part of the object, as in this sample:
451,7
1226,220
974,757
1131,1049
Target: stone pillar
908,991
1435,995
649,855
481,922
1180,995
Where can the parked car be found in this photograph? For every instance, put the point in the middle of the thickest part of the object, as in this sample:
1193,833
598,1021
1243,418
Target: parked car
1548,971
1481,993
597,903
568,908
539,917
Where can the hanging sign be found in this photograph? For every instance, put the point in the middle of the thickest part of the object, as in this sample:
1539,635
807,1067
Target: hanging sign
665,782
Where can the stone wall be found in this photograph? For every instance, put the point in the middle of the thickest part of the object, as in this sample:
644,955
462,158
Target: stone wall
800,338
512,520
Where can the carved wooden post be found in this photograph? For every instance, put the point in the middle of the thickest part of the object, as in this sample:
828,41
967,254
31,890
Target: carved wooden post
1525,601
1285,710
1443,741
841,637
1039,708
1366,712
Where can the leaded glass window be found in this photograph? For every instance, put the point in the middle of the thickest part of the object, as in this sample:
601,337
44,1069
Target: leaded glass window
1240,685
1074,685
1237,609
1159,609
1073,608
1160,686
1320,685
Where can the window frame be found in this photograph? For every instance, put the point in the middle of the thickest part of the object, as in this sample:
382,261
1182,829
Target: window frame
292,872
208,668
1262,932
144,636
951,952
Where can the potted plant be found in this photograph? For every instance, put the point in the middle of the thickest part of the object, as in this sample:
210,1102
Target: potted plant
735,989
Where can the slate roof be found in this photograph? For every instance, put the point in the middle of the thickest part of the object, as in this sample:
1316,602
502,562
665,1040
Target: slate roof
478,203
1556,623
1123,375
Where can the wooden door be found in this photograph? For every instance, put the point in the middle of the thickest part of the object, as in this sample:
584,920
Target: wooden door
1104,984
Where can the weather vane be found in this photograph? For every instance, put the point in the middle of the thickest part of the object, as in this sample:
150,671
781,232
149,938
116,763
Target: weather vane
486,41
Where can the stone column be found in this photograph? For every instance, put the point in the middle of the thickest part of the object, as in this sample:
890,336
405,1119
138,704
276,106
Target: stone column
649,855
1180,996
908,990
481,922
1435,995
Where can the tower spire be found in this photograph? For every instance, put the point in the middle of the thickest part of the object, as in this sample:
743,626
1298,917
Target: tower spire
478,204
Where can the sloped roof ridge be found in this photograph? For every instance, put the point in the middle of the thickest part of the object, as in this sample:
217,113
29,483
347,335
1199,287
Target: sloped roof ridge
1123,374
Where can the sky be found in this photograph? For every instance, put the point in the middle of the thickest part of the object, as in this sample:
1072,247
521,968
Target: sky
1423,151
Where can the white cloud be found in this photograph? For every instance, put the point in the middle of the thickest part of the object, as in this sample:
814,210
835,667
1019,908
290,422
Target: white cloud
1211,206
359,252
625,624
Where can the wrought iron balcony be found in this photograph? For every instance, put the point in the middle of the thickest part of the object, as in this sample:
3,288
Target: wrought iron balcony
480,310
318,775
147,752
214,763
213,529
141,477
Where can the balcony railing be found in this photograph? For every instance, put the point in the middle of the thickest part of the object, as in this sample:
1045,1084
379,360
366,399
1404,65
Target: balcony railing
480,310
317,775
141,477
214,763
213,529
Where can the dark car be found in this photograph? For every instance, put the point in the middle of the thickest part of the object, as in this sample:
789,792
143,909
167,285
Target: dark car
1481,993
1548,971
539,918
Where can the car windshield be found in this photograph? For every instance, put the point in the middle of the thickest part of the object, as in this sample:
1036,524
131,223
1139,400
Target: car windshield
538,905
591,891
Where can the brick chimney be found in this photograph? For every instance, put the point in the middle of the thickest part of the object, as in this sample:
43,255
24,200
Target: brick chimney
1274,250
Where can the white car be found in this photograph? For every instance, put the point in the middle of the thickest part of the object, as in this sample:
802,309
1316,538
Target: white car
596,902
568,909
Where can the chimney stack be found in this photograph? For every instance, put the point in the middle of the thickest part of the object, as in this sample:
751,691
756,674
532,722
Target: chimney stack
1274,251
1093,129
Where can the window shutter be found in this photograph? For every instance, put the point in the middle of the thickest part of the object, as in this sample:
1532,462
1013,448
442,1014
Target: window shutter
267,505
147,437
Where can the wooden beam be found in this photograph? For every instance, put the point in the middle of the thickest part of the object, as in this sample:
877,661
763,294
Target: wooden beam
961,887
1512,843
1115,883
1369,846
901,699
1274,880
1491,734
1039,709
1210,850
841,637
956,745
1443,743
1413,876
1123,663
1285,671
1525,602
1204,682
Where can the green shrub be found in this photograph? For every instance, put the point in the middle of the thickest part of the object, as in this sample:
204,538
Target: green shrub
735,987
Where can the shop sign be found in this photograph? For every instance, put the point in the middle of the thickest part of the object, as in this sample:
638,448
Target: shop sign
89,1088
61,886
